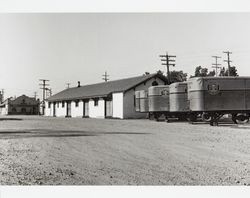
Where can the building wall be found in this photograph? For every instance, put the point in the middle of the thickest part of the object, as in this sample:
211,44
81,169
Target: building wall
128,98
61,111
4,110
47,109
76,111
117,105
122,105
96,111
29,110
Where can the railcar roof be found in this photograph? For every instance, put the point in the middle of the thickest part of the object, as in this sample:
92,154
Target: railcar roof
221,77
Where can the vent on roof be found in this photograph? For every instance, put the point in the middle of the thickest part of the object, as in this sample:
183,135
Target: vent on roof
79,84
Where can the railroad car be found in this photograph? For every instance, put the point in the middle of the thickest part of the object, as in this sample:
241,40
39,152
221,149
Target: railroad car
158,101
178,100
213,97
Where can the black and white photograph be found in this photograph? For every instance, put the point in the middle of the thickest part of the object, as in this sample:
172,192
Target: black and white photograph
125,99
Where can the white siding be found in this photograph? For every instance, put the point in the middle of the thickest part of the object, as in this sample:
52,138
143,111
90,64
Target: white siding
96,111
76,111
117,105
123,105
61,111
4,110
47,109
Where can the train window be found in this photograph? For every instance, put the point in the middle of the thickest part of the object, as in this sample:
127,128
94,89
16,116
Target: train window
155,83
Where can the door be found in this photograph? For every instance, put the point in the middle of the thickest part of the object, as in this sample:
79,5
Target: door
68,109
86,109
54,109
108,108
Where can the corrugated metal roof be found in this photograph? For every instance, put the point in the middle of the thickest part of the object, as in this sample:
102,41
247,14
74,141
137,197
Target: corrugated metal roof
102,89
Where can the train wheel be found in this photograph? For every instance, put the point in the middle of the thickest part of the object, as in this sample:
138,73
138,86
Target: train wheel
240,118
206,117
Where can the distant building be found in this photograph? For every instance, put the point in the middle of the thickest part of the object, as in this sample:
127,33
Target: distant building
114,99
22,105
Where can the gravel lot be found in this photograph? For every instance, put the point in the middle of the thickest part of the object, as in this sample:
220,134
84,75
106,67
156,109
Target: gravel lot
58,151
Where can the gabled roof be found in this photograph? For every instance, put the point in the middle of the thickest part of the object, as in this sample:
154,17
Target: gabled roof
103,89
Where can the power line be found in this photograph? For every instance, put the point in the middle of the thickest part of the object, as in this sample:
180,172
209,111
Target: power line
216,65
44,89
35,95
68,84
168,62
2,95
228,60
105,77
50,92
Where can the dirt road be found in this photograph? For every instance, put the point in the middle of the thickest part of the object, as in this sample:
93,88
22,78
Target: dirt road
58,151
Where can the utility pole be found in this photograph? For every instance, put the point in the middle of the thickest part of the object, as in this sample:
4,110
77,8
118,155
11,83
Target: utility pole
44,89
2,99
105,77
228,60
35,95
216,65
68,84
50,92
168,62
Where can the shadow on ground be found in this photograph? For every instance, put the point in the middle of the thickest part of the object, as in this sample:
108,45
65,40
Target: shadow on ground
57,133
4,119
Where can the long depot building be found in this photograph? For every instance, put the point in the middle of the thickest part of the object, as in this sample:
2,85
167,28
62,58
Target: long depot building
112,99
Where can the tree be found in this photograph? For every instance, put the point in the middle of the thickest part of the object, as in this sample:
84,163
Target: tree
202,72
233,71
178,76
211,73
160,72
175,76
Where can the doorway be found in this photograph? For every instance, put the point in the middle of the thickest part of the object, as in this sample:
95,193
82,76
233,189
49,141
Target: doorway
54,109
108,108
68,113
85,109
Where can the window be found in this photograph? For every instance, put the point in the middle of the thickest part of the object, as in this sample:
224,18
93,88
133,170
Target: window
96,102
77,103
58,104
155,83
49,104
63,104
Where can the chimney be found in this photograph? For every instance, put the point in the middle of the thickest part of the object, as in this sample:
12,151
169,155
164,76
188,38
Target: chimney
79,84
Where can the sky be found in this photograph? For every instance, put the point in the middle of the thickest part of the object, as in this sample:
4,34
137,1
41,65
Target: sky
66,48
